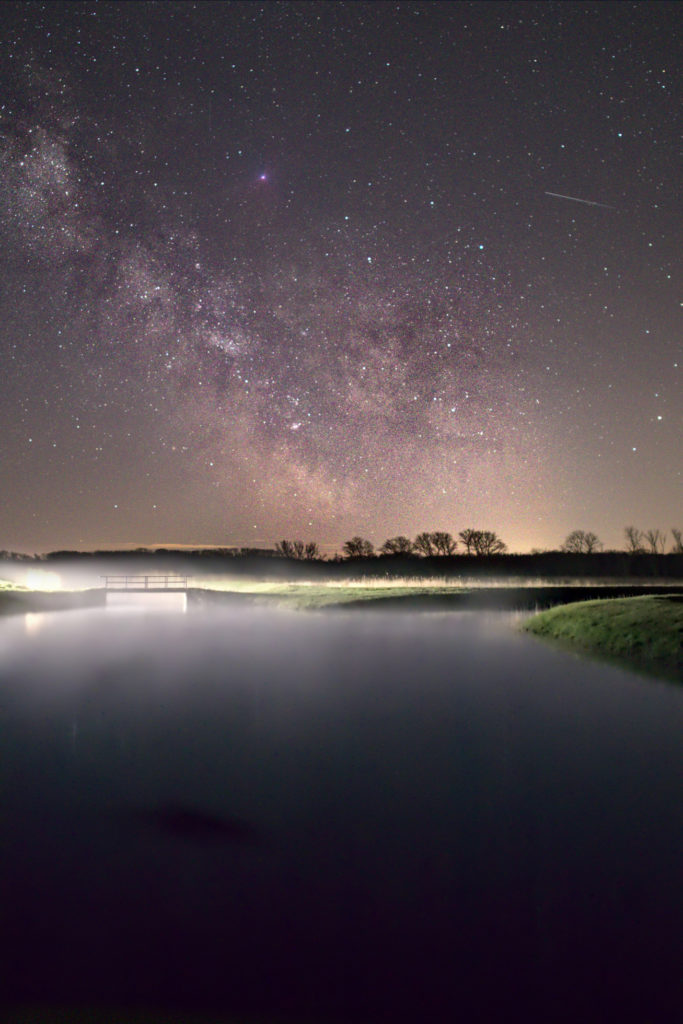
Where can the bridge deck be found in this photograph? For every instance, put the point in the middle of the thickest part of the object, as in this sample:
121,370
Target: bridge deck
146,584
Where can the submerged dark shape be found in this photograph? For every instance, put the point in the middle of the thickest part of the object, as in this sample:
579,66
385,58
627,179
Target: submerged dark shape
186,822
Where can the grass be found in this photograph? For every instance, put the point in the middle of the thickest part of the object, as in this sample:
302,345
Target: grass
412,593
643,633
320,595
414,584
297,596
15,598
9,585
409,593
10,593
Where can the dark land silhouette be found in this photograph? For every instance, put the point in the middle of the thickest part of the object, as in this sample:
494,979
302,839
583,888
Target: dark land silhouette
269,565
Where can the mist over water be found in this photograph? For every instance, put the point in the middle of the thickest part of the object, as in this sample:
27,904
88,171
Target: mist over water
342,815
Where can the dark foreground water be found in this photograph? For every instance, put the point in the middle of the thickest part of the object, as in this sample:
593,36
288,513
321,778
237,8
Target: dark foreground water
367,817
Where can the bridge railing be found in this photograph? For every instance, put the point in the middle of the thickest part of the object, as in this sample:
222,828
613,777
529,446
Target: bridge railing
166,581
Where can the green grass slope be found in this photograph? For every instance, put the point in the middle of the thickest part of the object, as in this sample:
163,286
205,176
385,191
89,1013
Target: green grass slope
644,633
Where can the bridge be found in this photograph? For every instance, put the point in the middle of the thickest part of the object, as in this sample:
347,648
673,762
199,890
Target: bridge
168,583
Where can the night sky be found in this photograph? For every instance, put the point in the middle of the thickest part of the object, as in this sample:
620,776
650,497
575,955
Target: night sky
296,270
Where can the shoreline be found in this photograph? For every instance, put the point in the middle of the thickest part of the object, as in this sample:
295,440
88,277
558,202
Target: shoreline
355,598
636,627
21,602
643,633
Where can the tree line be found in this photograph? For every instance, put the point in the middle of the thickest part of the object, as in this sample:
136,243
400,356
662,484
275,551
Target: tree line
427,544
638,542
434,544
440,543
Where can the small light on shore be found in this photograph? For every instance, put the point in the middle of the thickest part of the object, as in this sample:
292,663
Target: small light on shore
41,579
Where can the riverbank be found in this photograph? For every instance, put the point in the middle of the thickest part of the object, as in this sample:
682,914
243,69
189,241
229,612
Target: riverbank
378,596
19,602
353,596
643,633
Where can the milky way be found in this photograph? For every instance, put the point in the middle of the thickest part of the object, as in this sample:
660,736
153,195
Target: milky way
294,269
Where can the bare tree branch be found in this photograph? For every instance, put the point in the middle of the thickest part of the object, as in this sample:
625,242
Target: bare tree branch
444,543
634,540
358,547
297,549
424,544
582,542
656,541
397,546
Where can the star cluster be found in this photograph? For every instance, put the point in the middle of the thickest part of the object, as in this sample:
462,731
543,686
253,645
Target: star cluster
308,269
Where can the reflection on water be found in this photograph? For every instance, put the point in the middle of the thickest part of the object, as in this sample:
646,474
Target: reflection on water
365,817
151,602
117,603
33,622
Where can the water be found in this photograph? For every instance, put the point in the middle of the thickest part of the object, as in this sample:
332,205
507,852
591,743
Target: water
362,817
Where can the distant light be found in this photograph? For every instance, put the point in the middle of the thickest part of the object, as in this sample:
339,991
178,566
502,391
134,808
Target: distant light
40,579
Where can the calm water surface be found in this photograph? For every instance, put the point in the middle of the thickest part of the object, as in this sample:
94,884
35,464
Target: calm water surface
352,816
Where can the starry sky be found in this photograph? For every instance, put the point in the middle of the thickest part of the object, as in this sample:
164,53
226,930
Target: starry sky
306,270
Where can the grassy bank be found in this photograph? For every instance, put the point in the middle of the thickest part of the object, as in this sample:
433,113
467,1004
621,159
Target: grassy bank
644,633
406,594
311,596
18,600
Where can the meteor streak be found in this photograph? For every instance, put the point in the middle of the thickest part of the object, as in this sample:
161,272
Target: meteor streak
573,199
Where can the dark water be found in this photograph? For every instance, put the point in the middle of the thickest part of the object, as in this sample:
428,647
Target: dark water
359,817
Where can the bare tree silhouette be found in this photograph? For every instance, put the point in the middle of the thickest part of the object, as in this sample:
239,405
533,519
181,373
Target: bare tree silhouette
482,542
656,541
591,543
397,546
297,549
425,544
444,543
358,547
677,535
468,537
634,540
486,542
582,542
